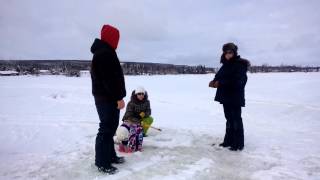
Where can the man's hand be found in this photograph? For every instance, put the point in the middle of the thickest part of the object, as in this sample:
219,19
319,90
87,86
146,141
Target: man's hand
121,104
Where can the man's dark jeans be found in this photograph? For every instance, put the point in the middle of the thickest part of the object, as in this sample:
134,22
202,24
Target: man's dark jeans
109,121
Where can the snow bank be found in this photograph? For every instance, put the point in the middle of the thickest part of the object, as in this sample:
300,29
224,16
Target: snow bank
7,73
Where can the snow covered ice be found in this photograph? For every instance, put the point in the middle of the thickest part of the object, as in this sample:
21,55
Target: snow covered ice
48,126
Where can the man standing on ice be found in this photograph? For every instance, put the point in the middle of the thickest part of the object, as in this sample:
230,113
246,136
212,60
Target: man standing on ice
230,82
108,89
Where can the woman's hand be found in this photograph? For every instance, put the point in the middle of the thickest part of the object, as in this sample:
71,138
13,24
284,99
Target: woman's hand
214,84
211,83
121,104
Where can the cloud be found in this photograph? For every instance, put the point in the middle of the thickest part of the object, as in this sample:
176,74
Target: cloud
178,32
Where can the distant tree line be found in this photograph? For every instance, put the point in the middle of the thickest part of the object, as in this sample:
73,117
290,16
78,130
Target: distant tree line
54,67
73,67
137,68
283,68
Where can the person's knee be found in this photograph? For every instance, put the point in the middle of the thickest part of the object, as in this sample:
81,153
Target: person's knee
149,120
106,132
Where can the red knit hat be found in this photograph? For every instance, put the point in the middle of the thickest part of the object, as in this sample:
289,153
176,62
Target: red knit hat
110,35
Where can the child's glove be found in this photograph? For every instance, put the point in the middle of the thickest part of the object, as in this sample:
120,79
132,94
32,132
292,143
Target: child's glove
142,114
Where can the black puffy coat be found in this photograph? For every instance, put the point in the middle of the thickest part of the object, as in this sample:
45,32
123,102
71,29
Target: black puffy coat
232,77
106,73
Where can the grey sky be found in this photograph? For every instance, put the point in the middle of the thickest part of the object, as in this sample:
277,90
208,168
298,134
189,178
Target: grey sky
180,32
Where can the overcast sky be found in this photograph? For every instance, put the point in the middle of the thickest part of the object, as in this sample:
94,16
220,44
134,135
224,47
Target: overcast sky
189,32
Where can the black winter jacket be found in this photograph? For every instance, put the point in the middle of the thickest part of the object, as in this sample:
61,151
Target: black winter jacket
106,73
232,77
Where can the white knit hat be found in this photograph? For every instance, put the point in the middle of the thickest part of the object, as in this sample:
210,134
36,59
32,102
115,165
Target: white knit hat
139,89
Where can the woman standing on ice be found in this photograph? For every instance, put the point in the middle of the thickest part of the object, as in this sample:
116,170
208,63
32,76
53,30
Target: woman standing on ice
230,82
108,89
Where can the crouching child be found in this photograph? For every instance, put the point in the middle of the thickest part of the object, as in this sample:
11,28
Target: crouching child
136,122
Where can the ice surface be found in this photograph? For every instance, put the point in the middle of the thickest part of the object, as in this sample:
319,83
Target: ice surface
48,126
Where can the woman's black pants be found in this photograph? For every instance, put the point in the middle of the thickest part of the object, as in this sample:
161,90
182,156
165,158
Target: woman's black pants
234,136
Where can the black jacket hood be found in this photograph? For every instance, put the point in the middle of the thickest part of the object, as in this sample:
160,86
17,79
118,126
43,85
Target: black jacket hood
234,59
98,44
